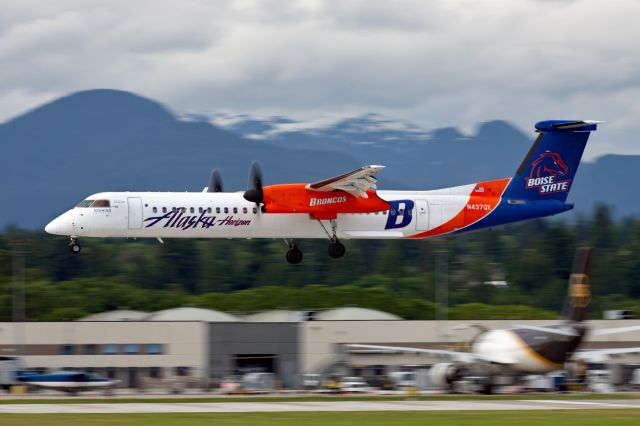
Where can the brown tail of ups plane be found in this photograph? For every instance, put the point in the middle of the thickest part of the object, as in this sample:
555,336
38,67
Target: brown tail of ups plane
579,293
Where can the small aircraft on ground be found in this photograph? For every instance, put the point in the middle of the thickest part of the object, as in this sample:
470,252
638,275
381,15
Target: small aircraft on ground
343,207
522,349
66,381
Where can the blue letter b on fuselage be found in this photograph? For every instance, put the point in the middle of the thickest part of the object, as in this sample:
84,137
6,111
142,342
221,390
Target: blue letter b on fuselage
400,214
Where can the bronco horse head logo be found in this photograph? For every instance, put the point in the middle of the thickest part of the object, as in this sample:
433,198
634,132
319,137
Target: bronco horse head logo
548,163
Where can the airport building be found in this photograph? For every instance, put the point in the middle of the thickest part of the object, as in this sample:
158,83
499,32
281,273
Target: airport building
200,347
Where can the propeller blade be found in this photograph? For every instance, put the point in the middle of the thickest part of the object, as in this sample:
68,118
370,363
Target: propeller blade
255,176
215,180
254,187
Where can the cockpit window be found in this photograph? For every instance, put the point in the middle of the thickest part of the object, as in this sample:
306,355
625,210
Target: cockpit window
94,203
85,203
101,203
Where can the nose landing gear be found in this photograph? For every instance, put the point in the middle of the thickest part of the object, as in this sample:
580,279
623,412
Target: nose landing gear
74,246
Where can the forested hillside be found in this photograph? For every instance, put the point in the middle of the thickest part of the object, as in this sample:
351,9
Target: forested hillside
243,276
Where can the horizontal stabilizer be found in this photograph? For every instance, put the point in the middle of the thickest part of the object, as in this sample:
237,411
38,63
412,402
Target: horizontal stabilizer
573,125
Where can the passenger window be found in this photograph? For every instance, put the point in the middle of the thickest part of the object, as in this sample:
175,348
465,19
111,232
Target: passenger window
192,210
226,209
235,210
184,209
244,210
400,211
218,210
155,210
209,210
164,210
255,210
173,209
200,210
392,211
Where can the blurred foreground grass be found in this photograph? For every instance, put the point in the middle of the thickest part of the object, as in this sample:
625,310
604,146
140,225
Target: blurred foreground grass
494,418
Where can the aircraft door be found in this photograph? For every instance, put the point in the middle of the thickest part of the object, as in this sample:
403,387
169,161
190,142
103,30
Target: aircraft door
422,215
135,212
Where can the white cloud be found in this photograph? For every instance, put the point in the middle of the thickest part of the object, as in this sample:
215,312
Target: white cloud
436,63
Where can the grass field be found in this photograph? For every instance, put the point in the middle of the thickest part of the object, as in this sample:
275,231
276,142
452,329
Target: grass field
493,418
248,398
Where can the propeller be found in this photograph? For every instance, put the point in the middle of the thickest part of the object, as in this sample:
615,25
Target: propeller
215,181
254,187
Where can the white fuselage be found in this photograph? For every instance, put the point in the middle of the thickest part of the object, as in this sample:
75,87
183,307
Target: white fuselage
505,347
229,215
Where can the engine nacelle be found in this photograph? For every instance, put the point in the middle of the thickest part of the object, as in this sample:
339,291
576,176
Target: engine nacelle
444,374
296,198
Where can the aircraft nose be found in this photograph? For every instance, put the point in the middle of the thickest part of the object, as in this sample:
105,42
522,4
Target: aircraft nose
51,227
57,227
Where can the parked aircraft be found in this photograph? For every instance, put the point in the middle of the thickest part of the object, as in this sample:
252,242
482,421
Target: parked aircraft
523,349
340,208
66,381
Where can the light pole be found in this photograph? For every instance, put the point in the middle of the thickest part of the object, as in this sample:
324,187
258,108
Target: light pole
18,303
442,293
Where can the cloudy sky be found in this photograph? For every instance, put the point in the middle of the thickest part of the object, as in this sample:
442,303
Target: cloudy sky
436,63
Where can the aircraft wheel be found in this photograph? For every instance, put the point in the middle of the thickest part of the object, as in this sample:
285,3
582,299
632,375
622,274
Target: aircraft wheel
294,256
336,249
74,248
487,388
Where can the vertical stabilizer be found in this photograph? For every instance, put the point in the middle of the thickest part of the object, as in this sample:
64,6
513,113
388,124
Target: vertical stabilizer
579,293
547,172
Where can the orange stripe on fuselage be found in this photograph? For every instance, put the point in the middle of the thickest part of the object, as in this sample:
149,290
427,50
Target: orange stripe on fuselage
484,198
296,198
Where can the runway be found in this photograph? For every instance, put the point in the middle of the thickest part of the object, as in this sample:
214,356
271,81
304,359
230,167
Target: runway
318,406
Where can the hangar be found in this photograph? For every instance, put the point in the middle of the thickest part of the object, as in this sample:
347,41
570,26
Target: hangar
200,347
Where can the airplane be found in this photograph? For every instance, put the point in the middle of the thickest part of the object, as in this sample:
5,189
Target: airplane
66,381
340,208
522,349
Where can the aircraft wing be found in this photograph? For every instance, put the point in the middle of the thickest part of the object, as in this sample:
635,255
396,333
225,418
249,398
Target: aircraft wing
606,331
604,355
452,356
356,182
562,331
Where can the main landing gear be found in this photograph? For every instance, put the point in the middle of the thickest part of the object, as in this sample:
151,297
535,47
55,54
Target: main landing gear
74,246
336,248
294,255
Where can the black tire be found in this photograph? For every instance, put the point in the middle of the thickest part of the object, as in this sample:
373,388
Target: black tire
487,389
294,256
336,250
74,248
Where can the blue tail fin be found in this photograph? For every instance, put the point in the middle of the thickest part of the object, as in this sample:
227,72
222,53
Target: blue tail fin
547,172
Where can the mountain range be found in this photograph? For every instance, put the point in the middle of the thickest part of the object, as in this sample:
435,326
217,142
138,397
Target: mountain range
109,140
